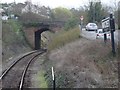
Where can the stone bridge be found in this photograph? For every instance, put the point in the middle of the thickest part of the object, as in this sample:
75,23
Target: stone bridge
32,31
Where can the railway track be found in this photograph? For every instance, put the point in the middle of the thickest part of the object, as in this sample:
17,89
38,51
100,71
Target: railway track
14,76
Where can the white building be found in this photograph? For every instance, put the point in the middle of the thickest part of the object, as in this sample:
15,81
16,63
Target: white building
30,7
42,11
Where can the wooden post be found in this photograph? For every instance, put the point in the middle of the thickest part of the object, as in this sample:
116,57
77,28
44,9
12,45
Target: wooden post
53,78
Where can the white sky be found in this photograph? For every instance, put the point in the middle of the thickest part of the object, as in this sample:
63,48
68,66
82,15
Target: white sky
63,3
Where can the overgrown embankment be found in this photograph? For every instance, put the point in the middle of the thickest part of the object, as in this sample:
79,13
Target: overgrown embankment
63,37
13,41
80,63
83,64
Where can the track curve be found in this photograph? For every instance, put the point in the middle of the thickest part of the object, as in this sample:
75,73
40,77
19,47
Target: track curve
13,76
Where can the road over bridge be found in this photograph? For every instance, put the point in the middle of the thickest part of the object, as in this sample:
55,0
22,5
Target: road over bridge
33,31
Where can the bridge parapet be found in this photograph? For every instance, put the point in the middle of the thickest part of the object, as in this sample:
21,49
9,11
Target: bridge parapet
44,24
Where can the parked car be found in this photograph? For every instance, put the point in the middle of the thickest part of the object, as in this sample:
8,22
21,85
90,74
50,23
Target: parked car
100,34
91,27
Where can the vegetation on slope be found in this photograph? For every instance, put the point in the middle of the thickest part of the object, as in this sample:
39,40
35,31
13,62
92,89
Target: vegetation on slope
64,37
13,39
83,64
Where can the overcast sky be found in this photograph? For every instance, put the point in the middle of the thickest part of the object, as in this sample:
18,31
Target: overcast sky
63,3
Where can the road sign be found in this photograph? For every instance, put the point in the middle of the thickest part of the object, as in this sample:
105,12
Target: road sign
106,24
81,18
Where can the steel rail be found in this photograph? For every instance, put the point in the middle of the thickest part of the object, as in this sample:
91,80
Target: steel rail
26,68
7,70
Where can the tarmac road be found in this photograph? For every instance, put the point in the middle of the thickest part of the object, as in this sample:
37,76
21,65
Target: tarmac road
91,35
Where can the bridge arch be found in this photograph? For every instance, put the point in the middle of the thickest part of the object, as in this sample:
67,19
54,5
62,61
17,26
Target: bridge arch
37,37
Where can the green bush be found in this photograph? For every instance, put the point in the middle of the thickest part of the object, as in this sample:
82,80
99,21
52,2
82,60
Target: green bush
71,23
